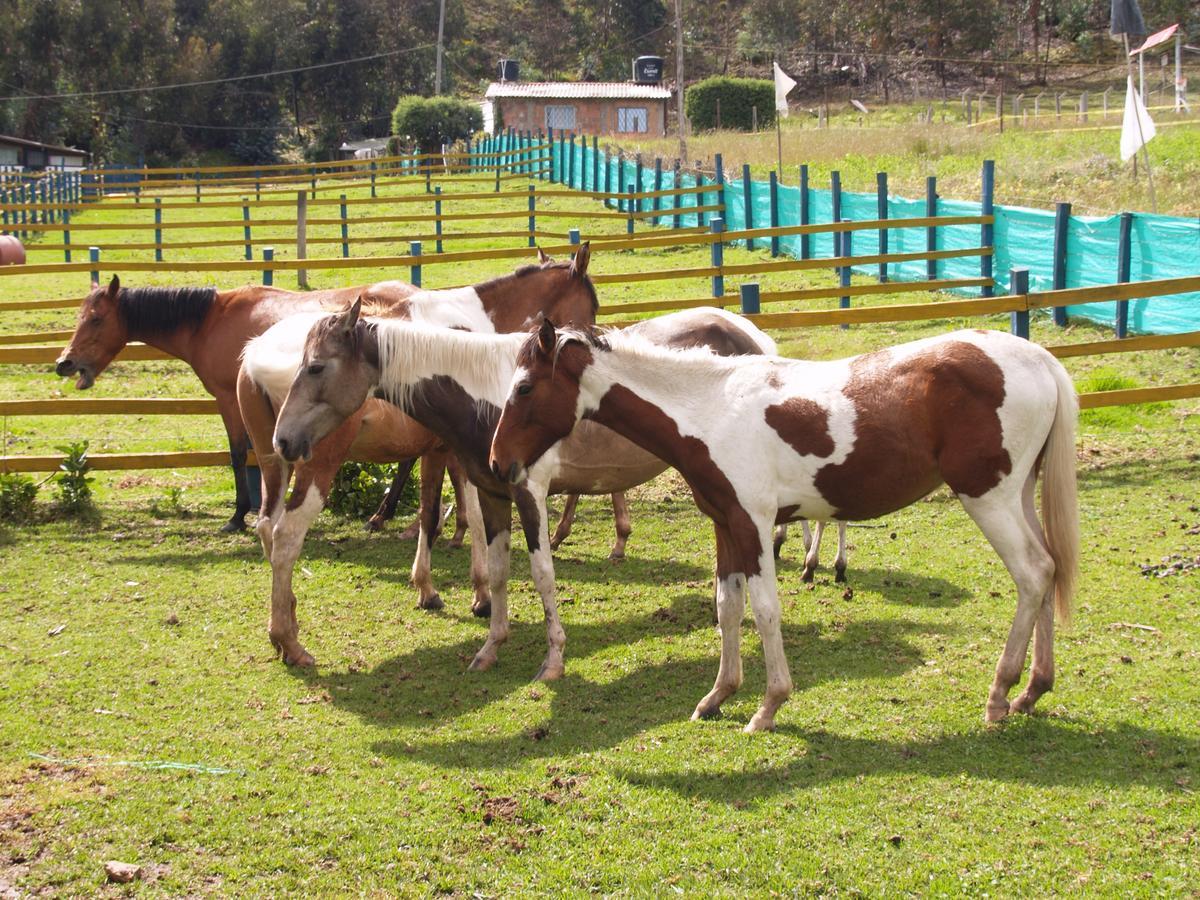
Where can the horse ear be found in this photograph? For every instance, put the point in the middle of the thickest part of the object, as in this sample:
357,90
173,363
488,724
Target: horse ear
350,316
579,262
114,287
543,257
547,337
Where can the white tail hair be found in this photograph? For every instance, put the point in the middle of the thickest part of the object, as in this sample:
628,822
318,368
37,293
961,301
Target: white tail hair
1060,503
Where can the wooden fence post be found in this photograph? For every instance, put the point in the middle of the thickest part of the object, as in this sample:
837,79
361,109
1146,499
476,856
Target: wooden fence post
158,240
630,207
437,222
372,178
1062,221
931,236
987,230
676,199
773,182
197,175
345,226
246,227
805,213
748,203
94,259
302,236
716,226
1018,286
881,211
414,249
751,299
268,275
66,235
656,203
1124,265
532,215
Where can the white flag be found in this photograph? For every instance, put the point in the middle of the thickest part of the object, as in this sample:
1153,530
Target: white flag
783,84
1137,127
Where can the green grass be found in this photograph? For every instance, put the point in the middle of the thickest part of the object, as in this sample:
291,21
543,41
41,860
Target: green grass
391,770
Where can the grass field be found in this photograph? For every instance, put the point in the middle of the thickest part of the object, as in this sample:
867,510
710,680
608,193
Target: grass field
139,639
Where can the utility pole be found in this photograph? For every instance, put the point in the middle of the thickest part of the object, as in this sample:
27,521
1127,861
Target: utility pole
679,120
437,88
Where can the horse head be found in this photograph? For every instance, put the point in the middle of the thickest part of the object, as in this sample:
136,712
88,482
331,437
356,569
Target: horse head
100,334
543,402
337,372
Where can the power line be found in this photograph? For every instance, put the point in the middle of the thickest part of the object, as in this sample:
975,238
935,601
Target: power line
279,127
210,81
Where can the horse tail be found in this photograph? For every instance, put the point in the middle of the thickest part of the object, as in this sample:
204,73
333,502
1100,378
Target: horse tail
1060,503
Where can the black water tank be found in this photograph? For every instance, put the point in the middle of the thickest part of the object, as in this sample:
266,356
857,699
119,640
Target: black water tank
509,71
648,69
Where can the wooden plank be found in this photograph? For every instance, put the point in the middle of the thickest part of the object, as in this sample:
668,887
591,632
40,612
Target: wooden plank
35,337
49,354
134,406
1133,290
616,309
1128,345
65,303
106,462
656,275
859,290
913,312
1139,395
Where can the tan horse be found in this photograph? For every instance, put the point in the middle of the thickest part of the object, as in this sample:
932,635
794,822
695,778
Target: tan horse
375,429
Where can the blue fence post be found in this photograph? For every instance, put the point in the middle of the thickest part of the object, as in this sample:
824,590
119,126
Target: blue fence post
805,213
676,199
630,206
1124,265
545,156
414,249
1062,222
571,161
881,211
268,275
345,224
748,203
844,271
773,182
1018,281
656,202
595,163
701,181
931,236
719,173
94,259
607,181
24,213
751,305
987,231
158,240
532,216
437,220
717,226
835,196
573,237
246,227
4,212
66,219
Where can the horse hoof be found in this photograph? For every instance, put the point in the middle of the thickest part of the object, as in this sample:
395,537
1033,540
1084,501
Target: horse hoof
556,543
301,660
482,609
481,663
549,673
431,603
759,723
995,713
455,543
616,557
233,526
777,551
839,576
706,713
807,575
410,533
375,523
1023,704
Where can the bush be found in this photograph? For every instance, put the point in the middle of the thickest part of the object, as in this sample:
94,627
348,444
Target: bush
737,97
74,482
17,494
359,488
430,122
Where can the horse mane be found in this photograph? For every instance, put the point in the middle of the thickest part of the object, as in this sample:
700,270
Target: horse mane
533,268
155,310
483,364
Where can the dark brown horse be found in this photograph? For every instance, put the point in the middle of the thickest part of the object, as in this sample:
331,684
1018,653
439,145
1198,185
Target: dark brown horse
373,429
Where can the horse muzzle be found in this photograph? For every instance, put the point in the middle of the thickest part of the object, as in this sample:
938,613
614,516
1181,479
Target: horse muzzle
514,474
293,449
67,366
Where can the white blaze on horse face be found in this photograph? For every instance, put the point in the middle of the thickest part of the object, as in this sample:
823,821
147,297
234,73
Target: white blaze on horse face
451,308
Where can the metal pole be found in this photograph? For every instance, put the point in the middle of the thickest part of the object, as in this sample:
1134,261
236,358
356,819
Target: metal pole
773,184
246,227
268,275
881,209
931,240
987,230
716,226
1018,280
414,249
302,236
437,217
805,213
1124,254
1062,221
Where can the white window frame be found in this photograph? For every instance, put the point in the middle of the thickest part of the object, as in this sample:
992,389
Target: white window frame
635,116
555,116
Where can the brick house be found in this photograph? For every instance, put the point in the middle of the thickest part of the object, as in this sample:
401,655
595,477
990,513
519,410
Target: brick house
584,107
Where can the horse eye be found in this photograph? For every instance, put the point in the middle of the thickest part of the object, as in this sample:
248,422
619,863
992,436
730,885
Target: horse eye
316,368
524,388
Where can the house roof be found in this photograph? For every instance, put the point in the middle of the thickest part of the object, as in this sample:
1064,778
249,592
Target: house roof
577,90
38,145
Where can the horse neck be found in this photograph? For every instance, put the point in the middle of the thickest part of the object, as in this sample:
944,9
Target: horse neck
180,342
514,301
482,364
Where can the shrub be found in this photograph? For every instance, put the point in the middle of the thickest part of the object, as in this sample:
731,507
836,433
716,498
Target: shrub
17,494
430,122
74,482
359,488
737,97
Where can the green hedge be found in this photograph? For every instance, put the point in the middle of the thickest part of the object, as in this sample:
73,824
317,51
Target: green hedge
430,122
737,96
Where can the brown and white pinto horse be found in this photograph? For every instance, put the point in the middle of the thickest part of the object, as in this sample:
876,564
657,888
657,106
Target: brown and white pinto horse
372,429
767,440
207,329
454,383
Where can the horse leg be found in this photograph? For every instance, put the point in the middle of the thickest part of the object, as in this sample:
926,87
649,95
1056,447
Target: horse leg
254,410
764,601
287,538
622,524
462,517
731,607
1021,548
239,445
497,523
839,563
1041,673
780,537
275,476
469,501
433,473
812,547
531,506
563,531
387,509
